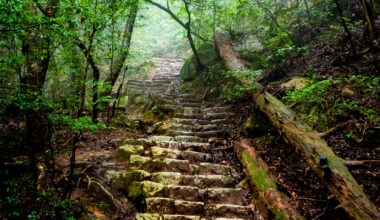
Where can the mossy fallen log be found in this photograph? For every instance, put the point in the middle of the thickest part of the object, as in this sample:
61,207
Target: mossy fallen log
307,142
259,175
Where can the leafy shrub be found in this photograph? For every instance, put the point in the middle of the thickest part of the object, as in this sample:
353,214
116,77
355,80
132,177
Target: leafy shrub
77,124
312,94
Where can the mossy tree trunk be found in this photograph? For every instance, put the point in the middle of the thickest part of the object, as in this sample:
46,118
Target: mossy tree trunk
306,142
258,174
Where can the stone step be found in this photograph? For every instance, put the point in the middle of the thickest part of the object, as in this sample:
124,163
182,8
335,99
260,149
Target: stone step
217,109
175,165
193,194
139,82
166,78
191,104
133,87
199,147
195,133
170,143
188,138
192,156
188,116
190,100
172,206
190,95
148,216
190,121
194,127
209,116
216,115
200,181
189,110
230,211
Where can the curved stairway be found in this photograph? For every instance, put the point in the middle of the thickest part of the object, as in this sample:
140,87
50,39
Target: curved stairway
175,177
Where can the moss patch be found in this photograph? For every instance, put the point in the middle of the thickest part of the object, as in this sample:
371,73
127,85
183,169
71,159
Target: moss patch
127,150
258,177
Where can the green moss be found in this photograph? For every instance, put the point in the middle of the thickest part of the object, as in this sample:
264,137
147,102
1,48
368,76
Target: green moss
168,178
137,175
127,150
138,160
259,178
126,122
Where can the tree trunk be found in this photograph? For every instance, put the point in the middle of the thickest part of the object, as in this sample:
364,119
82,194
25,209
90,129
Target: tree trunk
258,174
369,15
187,27
307,142
96,77
117,67
343,22
200,66
37,58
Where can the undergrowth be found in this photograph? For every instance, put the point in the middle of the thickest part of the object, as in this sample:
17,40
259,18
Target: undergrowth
321,103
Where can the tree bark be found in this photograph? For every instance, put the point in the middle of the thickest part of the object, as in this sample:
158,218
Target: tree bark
37,57
343,22
369,15
307,142
117,67
264,182
200,66
96,77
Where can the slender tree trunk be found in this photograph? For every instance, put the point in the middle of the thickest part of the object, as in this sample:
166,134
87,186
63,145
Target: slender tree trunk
67,190
96,77
118,64
200,66
369,15
187,27
343,22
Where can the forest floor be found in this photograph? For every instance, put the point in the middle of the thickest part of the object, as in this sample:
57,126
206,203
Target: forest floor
355,137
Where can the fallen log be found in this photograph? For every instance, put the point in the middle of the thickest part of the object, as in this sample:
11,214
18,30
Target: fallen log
307,142
258,174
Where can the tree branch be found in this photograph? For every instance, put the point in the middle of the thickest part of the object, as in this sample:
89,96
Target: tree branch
174,16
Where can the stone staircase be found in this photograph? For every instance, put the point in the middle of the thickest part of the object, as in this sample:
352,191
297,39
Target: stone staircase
176,177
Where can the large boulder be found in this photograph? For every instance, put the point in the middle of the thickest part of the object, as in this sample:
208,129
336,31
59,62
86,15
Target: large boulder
208,56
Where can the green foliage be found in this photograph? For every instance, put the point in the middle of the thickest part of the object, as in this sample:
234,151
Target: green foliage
53,208
249,75
77,124
343,106
320,106
313,94
19,192
367,83
125,121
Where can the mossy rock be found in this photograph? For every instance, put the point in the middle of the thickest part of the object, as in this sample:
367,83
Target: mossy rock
144,189
208,56
127,150
152,116
137,159
126,122
189,70
162,127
